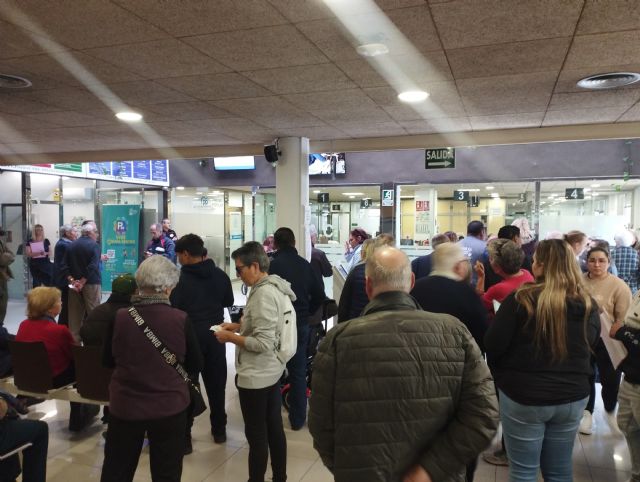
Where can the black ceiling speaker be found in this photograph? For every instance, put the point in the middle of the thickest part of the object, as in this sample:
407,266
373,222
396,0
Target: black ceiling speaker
271,153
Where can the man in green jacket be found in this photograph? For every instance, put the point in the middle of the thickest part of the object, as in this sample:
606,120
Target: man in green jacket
6,258
400,394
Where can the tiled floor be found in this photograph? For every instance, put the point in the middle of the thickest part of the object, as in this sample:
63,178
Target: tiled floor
601,457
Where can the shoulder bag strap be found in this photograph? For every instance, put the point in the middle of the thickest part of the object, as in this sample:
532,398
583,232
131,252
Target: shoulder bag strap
167,354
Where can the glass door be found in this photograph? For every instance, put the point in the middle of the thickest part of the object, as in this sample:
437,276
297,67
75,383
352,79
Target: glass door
12,225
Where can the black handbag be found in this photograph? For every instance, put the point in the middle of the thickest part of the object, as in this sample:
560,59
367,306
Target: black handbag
197,405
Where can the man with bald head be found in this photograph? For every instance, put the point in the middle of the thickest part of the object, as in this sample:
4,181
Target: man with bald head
400,394
160,244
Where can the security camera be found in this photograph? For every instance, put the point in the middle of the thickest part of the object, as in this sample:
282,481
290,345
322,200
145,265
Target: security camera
202,163
271,153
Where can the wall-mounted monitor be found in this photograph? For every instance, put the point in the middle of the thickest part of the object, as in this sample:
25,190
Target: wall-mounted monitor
327,163
235,163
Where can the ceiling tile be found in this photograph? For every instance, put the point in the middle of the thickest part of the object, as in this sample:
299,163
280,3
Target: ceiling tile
68,98
64,134
632,115
237,127
272,112
263,48
21,103
506,59
188,111
357,115
302,10
182,18
22,122
443,101
507,94
506,121
457,124
307,78
596,51
339,99
147,92
215,86
79,69
67,24
17,42
416,25
372,130
70,119
314,133
569,77
595,99
159,58
582,116
331,38
469,23
430,67
599,16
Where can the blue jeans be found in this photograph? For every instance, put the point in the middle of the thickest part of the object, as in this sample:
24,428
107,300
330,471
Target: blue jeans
297,368
540,437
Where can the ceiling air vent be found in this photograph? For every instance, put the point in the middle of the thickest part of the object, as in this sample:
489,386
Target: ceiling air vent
13,82
611,80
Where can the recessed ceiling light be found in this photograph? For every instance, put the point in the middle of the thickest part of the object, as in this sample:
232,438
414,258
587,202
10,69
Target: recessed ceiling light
353,194
412,96
595,193
489,188
595,185
587,189
372,49
129,116
495,195
180,188
611,80
352,197
317,191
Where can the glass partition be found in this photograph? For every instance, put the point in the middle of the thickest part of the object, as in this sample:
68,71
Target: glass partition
11,222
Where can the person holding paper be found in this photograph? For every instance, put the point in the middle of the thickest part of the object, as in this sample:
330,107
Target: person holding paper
37,250
613,297
539,349
628,332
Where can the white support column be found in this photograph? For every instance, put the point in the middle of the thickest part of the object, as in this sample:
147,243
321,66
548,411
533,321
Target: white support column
292,190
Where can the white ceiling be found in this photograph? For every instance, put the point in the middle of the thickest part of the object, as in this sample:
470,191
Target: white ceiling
237,73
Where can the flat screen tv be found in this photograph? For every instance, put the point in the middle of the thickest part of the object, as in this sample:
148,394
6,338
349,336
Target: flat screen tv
234,163
327,163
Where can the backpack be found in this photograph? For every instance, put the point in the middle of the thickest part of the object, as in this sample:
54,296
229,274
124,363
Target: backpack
288,336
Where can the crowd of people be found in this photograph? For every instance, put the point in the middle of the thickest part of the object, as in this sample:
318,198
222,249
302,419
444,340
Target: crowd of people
426,357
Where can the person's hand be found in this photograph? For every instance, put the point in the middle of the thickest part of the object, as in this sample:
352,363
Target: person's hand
347,247
4,408
223,336
104,257
232,327
614,328
479,269
148,254
416,474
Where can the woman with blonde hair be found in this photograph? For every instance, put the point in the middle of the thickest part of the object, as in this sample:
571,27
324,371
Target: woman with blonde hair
539,349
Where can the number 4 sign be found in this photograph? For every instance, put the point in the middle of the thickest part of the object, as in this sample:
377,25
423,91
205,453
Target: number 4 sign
574,193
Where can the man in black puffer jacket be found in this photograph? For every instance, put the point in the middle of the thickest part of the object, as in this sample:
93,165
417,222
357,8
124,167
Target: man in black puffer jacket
204,290
400,393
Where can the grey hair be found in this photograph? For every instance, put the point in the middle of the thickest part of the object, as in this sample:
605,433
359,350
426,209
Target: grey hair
252,252
624,238
446,256
88,228
396,277
157,274
65,229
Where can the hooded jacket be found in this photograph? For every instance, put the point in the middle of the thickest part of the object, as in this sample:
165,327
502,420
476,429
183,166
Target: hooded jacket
257,364
400,386
204,290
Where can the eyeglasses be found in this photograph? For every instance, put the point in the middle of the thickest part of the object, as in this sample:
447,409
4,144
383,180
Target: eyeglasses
239,268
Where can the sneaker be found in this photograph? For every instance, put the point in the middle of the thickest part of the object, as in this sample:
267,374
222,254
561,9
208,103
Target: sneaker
586,424
499,457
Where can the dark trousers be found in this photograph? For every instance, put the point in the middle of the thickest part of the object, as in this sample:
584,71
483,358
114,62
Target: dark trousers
297,369
214,376
609,378
263,429
124,444
14,433
63,317
41,272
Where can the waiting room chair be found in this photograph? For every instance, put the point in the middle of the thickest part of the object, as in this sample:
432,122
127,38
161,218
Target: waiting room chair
92,379
31,368
15,451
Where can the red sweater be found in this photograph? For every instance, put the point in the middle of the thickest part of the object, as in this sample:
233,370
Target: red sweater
57,340
503,289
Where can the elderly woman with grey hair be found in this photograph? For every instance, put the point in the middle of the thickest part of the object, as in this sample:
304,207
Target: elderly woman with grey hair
68,235
146,393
